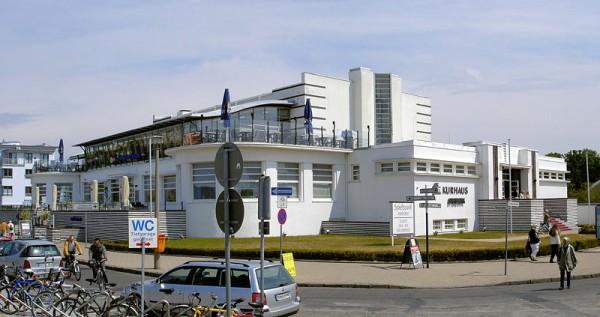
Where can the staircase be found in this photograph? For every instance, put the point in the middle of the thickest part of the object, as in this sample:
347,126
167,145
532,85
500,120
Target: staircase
562,226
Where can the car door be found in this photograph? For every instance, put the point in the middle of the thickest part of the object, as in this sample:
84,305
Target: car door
170,286
206,281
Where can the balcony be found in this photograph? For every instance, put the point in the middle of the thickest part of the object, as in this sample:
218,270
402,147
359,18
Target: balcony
13,161
40,167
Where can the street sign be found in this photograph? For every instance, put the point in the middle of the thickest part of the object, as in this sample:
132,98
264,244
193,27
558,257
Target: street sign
235,164
281,201
282,216
236,211
431,190
513,204
281,191
430,205
146,228
85,206
415,198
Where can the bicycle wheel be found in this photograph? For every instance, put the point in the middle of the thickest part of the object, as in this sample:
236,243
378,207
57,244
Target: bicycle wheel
77,271
66,307
100,280
44,302
120,310
97,304
182,311
10,302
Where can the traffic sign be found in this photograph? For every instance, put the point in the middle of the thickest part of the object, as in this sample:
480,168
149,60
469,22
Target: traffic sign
281,191
513,204
281,201
235,166
415,198
282,216
85,206
236,211
146,228
430,190
430,205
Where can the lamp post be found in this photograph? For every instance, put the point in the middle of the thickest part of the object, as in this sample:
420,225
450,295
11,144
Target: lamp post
158,140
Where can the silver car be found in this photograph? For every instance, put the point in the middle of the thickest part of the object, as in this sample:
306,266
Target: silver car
32,257
208,279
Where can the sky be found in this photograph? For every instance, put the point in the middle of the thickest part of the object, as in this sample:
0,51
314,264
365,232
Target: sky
528,71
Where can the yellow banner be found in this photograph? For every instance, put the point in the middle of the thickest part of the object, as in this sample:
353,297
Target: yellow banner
288,263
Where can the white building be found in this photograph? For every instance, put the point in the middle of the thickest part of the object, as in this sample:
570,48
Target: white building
370,145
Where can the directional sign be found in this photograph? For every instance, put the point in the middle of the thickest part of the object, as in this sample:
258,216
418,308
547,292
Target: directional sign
431,190
281,191
85,206
143,227
430,205
513,204
415,198
282,216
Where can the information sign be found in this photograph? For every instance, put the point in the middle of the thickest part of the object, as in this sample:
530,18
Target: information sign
143,227
281,191
430,205
412,253
415,198
402,218
288,263
85,206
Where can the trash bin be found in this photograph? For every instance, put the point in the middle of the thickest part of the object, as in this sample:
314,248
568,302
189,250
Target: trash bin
162,240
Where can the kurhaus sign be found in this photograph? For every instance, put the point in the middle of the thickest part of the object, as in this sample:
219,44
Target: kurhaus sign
455,190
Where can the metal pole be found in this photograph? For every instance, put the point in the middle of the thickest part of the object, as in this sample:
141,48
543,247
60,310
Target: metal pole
156,209
506,244
587,170
262,260
281,243
510,187
227,231
427,226
143,269
150,173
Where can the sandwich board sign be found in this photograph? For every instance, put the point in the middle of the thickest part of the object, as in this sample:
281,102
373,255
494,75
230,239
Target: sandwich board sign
146,228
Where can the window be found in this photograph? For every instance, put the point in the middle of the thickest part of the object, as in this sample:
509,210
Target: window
28,171
64,192
448,168
434,168
552,175
383,109
28,157
546,175
44,158
460,169
248,185
461,224
386,167
7,191
403,166
421,167
203,179
471,170
322,181
28,191
355,173
147,185
288,175
437,225
561,176
170,188
177,276
449,225
7,172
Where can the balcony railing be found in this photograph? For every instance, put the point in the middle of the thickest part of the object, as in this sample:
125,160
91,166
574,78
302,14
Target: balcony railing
40,167
13,161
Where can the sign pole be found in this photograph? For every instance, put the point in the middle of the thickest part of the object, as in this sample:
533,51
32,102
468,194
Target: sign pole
227,231
143,269
281,243
427,226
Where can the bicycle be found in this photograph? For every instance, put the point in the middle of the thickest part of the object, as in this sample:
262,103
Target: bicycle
214,309
53,293
82,303
123,306
100,279
20,295
72,266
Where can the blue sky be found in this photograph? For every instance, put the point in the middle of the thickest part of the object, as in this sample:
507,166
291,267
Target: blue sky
528,71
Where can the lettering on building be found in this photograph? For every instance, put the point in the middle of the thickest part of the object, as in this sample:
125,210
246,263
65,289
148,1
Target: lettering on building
455,190
455,202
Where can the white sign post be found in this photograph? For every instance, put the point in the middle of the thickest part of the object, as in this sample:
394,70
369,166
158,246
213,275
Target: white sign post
143,233
403,221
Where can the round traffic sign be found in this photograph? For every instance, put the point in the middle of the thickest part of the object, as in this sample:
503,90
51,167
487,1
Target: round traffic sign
236,211
235,164
281,216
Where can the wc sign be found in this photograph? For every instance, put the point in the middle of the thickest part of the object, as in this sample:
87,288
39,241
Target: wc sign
143,228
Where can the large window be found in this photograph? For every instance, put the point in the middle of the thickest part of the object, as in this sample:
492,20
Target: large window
203,180
288,175
28,191
170,188
147,185
7,191
248,185
7,172
64,192
322,181
28,157
383,109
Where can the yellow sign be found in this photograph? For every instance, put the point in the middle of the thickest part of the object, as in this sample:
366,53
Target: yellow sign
288,263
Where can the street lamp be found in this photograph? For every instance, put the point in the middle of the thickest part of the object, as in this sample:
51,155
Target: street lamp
158,140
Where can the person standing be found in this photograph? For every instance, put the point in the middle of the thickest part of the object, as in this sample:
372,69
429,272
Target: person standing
534,242
554,242
567,261
98,253
10,228
3,228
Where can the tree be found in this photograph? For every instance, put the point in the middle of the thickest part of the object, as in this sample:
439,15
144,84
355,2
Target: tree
576,166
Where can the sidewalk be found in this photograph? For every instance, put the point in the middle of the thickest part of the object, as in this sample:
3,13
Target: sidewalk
395,275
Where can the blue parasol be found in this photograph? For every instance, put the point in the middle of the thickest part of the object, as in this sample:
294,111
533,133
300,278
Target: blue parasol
61,151
308,116
226,108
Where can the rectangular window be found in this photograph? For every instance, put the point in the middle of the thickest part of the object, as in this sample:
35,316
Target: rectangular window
147,186
471,170
203,179
288,175
7,172
87,191
28,171
552,175
248,185
170,188
546,175
421,167
44,158
7,191
28,191
448,224
355,173
561,176
403,166
386,167
461,224
448,168
64,192
322,181
28,157
460,169
437,225
434,167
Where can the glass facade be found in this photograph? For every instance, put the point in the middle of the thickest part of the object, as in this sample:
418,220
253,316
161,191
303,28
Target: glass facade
383,109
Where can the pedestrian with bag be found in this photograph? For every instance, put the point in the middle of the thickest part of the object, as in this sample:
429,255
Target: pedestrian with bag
567,261
554,242
534,242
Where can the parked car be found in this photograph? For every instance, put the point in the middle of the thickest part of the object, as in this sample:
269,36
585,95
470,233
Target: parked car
4,241
208,278
35,257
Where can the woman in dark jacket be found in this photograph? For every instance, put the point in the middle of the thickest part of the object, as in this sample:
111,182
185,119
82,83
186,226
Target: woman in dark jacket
534,242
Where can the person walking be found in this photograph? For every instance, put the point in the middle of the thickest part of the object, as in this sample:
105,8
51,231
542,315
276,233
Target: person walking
534,242
567,261
98,253
10,228
554,242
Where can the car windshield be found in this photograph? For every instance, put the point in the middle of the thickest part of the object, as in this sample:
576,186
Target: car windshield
276,276
42,250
